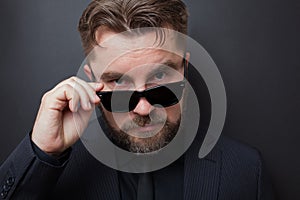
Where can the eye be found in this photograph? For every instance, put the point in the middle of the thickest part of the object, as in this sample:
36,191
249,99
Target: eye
119,81
160,75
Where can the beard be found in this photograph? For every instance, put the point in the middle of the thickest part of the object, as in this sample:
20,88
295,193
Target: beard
131,143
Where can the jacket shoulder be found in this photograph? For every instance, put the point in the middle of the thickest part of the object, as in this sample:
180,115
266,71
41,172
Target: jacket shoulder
234,151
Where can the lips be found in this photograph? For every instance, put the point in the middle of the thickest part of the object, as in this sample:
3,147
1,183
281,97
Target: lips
148,130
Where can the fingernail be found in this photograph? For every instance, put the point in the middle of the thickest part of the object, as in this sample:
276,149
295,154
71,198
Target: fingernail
99,85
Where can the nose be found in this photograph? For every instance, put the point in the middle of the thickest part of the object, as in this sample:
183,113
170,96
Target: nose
143,107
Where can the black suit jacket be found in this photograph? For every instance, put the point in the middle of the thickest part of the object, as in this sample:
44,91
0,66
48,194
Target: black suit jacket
230,171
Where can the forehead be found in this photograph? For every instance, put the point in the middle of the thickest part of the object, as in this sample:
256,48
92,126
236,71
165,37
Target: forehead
124,52
143,59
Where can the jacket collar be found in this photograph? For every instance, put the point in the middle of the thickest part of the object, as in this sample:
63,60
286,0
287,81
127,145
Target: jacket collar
201,176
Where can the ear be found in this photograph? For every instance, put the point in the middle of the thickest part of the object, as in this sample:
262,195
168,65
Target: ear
88,72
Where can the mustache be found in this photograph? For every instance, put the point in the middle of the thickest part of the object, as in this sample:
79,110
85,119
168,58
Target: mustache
141,121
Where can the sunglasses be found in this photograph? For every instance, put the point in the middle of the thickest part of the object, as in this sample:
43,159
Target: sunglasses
126,100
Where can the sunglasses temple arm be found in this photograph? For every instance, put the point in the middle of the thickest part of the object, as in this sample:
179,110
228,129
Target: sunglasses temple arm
185,65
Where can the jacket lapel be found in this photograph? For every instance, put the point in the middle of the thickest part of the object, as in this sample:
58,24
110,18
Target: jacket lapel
202,176
109,185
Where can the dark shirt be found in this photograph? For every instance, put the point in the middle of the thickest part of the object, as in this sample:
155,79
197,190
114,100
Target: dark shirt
167,183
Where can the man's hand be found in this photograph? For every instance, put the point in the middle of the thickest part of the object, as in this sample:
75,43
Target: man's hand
55,130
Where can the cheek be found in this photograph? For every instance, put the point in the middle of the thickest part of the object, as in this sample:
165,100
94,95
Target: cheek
116,120
173,113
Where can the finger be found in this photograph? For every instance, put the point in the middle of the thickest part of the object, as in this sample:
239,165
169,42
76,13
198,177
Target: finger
80,89
73,81
61,97
85,100
91,89
71,95
98,87
63,82
81,118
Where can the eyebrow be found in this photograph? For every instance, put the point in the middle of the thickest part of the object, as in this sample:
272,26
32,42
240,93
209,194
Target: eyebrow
171,64
108,76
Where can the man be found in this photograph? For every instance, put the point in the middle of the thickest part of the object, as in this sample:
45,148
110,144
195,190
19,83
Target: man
51,162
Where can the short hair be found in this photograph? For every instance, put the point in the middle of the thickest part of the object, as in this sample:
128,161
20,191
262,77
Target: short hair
124,15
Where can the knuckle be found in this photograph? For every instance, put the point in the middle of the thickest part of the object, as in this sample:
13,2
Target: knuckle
73,79
67,87
45,96
72,83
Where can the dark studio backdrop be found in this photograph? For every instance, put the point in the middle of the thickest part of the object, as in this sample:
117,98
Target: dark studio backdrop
254,43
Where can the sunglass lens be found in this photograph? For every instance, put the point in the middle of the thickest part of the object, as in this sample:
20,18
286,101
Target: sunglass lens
116,101
125,101
163,96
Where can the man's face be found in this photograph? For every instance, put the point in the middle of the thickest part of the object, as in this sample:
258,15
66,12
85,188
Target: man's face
147,127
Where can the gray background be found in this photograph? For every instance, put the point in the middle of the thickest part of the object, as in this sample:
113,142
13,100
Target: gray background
254,43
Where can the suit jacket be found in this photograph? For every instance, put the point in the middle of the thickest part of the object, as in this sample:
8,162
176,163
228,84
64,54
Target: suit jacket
231,171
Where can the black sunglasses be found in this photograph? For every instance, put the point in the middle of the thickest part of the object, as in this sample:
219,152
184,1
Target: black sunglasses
126,100
121,101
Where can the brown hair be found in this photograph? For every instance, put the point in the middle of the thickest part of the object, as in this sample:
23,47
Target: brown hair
123,15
